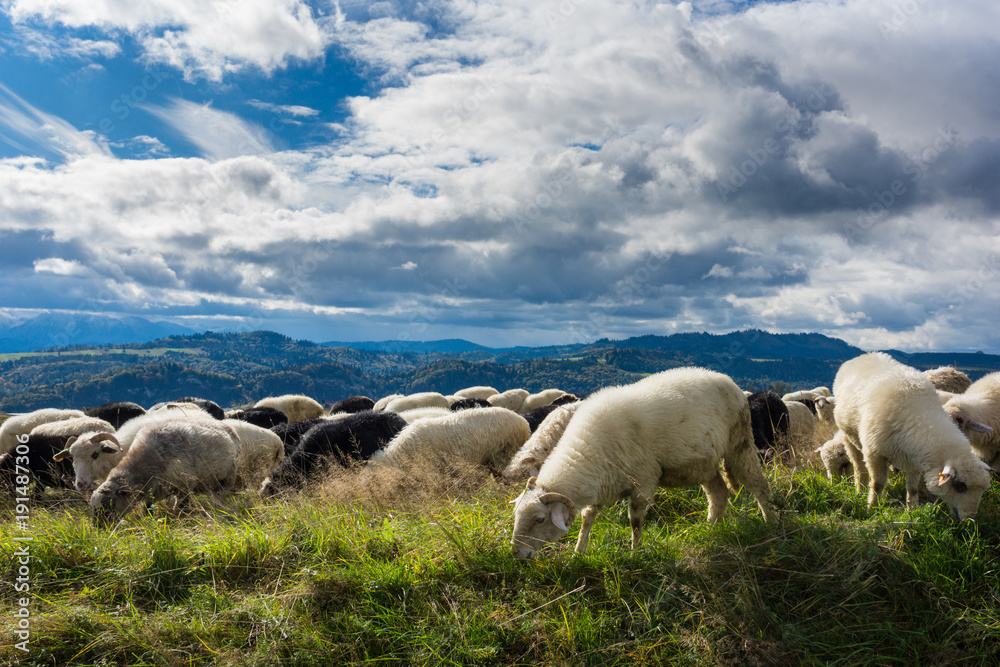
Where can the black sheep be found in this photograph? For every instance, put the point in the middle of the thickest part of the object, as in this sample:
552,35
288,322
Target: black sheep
352,404
565,399
538,415
115,413
769,417
292,432
469,403
339,441
42,470
264,417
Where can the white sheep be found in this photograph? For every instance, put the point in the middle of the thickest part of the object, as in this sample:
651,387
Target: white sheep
821,391
96,454
260,450
477,392
512,399
384,401
424,399
23,424
489,436
833,453
75,426
540,399
801,426
948,378
528,460
891,414
824,408
672,429
422,413
977,413
296,407
169,458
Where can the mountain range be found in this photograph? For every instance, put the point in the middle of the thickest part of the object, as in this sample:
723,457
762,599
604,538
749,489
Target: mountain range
51,330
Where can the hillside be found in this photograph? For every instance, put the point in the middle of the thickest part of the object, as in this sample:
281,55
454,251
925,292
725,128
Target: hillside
235,369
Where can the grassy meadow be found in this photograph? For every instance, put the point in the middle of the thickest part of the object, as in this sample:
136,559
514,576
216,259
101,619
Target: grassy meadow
414,567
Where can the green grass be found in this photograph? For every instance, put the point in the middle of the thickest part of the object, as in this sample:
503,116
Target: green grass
151,352
411,579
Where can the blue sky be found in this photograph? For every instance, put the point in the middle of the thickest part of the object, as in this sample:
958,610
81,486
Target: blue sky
513,173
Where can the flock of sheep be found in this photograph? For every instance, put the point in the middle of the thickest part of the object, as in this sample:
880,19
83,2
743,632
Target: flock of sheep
681,427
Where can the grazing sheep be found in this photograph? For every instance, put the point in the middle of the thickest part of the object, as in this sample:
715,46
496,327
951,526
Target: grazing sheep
833,453
537,416
354,438
977,413
477,392
540,400
891,414
528,460
295,406
467,403
426,399
385,400
806,398
76,426
32,461
769,417
23,424
672,429
211,407
512,399
824,408
260,450
290,434
116,413
489,436
801,426
948,378
264,417
169,458
352,405
423,413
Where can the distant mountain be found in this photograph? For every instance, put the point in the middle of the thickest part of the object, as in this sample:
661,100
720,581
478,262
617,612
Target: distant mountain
751,343
8,322
449,346
61,330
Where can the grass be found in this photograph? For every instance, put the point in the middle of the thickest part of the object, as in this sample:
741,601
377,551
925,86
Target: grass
415,568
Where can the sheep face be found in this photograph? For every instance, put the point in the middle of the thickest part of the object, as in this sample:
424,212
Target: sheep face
961,484
540,518
94,455
111,501
835,458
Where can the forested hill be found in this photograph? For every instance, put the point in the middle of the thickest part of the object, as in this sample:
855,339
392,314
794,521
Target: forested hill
235,369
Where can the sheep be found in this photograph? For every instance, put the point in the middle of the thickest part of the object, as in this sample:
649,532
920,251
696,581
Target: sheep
512,399
824,408
290,434
833,453
211,407
423,413
540,400
23,423
537,416
477,392
669,429
489,436
352,405
296,406
528,460
977,413
384,401
821,391
260,450
31,460
466,403
75,426
891,414
354,438
565,399
806,398
948,378
801,425
426,399
95,456
264,417
769,417
116,413
169,458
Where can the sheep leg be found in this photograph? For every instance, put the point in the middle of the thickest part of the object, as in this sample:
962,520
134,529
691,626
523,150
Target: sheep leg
638,505
878,470
588,515
913,489
718,497
743,467
858,461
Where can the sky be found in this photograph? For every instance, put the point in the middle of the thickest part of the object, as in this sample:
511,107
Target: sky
523,172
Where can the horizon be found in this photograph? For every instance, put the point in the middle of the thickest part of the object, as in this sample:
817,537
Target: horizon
514,173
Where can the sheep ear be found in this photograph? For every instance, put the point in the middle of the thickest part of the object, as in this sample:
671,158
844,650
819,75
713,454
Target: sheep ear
109,449
531,482
529,459
978,427
59,456
559,517
947,474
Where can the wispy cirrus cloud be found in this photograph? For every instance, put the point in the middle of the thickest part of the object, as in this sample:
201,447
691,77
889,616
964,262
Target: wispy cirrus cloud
217,134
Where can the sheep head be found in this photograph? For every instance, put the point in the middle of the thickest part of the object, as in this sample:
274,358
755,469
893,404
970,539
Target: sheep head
94,455
111,501
540,517
961,483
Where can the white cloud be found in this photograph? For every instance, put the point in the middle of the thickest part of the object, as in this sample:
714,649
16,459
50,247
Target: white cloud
35,132
285,109
217,134
60,267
